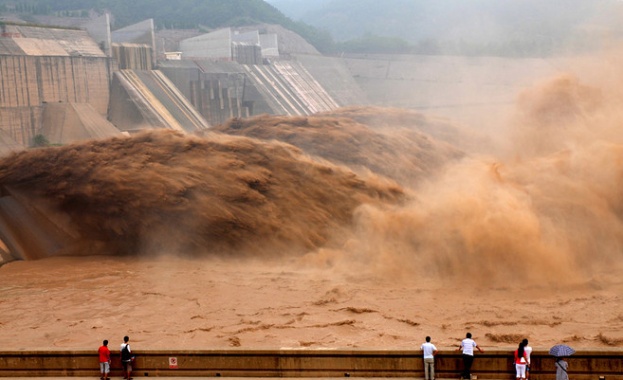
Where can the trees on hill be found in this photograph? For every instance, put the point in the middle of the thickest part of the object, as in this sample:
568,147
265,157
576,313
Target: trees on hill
181,14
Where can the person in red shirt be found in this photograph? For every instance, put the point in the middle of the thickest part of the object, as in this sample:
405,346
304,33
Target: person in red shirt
521,360
104,354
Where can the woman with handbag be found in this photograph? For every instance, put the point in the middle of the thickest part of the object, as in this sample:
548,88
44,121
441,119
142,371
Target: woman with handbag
561,369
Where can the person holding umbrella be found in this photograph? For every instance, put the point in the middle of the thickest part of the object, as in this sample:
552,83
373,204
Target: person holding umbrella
561,351
561,369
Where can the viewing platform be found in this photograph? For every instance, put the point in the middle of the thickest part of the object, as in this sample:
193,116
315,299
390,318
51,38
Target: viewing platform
598,364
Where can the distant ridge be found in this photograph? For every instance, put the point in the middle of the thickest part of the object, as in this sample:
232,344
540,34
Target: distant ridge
182,14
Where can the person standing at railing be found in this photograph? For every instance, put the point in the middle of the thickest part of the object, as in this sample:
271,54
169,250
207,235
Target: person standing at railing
126,358
521,361
467,346
561,369
104,358
429,351
528,351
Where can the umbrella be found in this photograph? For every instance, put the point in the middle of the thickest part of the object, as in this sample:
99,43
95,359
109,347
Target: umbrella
561,350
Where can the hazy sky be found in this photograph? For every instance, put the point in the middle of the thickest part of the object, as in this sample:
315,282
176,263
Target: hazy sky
478,21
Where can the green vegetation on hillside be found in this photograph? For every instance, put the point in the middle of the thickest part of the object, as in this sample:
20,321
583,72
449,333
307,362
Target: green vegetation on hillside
174,14
374,44
458,27
463,27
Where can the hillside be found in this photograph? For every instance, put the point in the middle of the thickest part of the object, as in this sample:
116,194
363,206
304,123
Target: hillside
477,27
180,14
207,14
474,27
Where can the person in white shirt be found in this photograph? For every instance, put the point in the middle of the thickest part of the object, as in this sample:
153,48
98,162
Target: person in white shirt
528,351
126,358
467,346
429,351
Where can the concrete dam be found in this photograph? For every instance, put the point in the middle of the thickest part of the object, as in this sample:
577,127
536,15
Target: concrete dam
60,86
64,85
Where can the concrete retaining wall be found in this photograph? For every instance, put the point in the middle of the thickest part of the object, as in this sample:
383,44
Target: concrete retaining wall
583,365
27,82
479,91
335,77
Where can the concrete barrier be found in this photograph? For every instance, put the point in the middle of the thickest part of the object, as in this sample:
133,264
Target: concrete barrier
493,364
